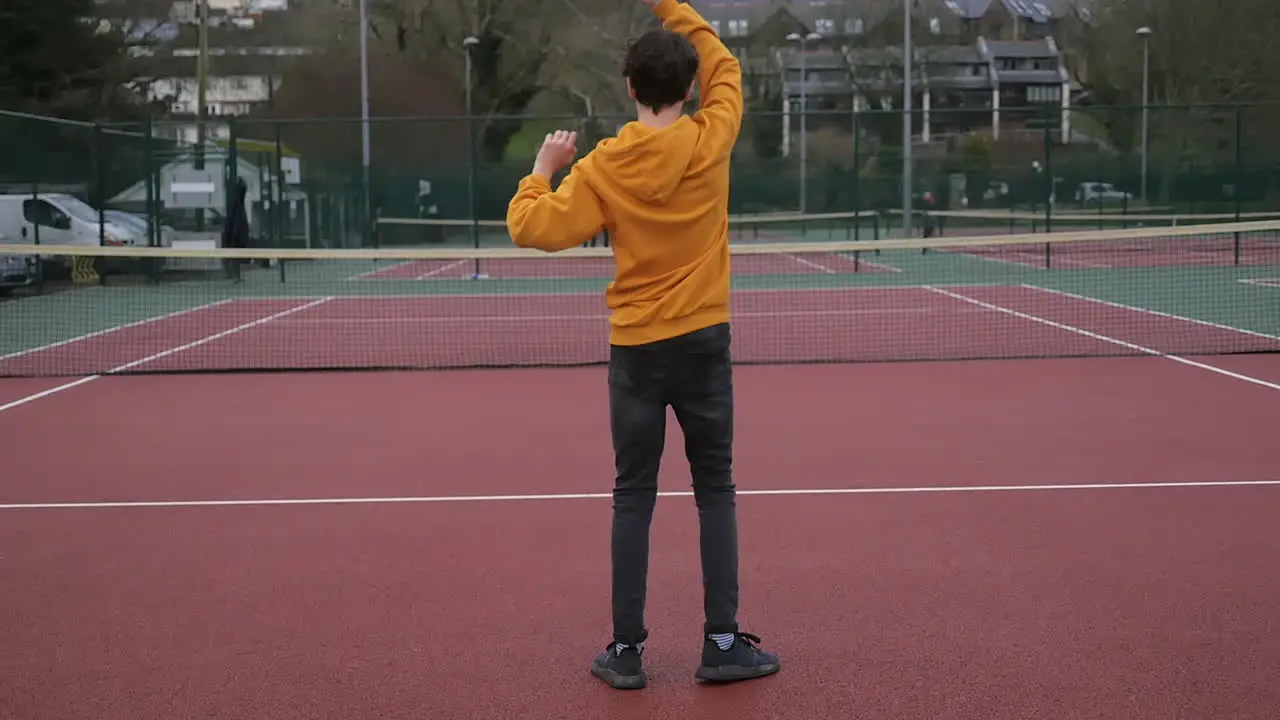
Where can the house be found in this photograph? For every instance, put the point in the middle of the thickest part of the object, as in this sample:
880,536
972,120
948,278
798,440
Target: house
976,63
249,43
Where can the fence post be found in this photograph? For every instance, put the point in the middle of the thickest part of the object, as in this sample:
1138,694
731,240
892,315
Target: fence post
148,167
857,175
281,217
471,181
1239,180
99,180
1050,188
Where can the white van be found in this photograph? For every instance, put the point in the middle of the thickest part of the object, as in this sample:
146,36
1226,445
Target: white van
60,219
15,270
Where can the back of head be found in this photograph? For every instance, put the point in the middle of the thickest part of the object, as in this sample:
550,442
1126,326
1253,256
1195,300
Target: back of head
660,69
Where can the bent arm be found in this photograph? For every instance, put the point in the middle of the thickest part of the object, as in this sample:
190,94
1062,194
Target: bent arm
540,218
719,72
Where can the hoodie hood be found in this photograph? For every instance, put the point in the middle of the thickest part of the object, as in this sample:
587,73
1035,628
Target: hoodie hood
645,163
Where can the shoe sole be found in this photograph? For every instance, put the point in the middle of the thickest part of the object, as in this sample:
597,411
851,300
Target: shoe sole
734,673
619,682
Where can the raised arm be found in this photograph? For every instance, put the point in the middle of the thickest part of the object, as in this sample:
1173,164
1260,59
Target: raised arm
539,218
719,72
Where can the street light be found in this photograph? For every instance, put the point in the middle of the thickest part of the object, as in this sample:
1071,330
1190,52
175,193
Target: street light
907,182
364,111
1144,32
469,42
803,40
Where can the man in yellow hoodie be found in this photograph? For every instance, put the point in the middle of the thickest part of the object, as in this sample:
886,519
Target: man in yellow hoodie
661,189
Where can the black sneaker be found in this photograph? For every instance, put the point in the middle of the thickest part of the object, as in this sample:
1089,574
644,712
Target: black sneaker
621,669
742,661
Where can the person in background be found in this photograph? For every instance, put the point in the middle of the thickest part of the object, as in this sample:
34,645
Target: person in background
928,221
235,228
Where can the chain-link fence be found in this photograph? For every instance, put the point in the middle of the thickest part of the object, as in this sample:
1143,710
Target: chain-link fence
308,184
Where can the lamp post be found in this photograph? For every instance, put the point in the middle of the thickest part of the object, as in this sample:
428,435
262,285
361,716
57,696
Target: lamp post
803,40
907,181
364,114
468,43
1144,32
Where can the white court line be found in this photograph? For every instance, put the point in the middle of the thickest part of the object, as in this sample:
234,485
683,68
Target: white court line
594,293
427,499
1001,260
1261,282
161,354
115,328
603,317
1104,338
442,269
1156,313
378,271
846,257
1038,265
832,271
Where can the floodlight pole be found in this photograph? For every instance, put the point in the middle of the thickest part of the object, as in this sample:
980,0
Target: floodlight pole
468,43
202,115
803,40
1144,32
364,116
906,118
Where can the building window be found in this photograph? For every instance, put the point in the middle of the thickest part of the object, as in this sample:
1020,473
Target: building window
737,28
853,26
1044,94
825,26
715,25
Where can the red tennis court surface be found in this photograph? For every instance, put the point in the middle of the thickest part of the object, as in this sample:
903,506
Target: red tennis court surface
565,268
910,545
905,322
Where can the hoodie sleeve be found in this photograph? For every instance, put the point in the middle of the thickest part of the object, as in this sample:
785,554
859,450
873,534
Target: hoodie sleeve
719,74
542,219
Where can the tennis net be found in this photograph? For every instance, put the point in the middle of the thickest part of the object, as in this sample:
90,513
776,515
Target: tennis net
1194,289
773,227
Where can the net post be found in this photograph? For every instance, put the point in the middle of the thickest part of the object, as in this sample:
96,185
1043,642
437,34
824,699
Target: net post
280,264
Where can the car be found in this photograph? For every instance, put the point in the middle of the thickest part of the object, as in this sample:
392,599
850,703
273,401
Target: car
1100,193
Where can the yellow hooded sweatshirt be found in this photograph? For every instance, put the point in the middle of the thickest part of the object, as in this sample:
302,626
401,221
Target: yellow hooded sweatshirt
663,194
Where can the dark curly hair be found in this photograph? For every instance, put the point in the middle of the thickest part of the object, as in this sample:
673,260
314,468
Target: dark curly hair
661,66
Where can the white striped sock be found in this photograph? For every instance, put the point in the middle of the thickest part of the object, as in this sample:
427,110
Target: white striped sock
724,641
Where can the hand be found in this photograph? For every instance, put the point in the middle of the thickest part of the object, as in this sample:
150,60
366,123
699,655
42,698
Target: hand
557,152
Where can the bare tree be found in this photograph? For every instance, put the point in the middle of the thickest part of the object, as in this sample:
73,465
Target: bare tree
1206,58
418,112
515,41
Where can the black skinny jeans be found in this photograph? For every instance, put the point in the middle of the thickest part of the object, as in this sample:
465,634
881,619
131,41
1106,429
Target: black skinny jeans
691,373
